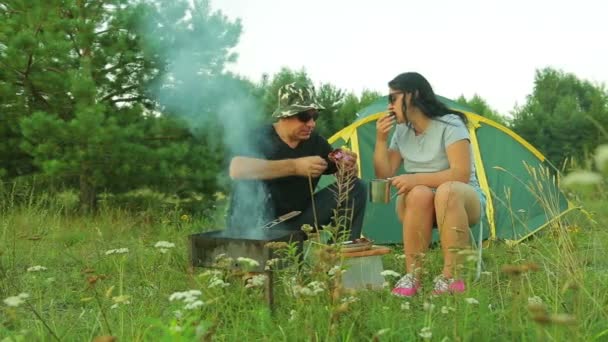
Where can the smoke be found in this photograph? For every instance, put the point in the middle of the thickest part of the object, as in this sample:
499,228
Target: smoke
193,44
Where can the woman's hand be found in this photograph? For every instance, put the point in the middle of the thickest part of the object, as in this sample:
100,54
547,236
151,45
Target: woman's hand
404,183
383,127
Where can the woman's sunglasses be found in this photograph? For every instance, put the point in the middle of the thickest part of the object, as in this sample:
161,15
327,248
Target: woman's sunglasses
304,117
392,97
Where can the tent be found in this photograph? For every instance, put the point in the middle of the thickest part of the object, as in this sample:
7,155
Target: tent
519,183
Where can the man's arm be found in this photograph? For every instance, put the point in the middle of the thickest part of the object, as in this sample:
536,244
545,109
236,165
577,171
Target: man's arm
254,168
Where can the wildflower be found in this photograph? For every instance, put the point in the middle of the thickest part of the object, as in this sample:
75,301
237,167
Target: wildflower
299,290
120,300
400,256
217,282
334,270
446,309
247,262
257,280
270,263
164,244
219,196
428,306
36,268
186,296
405,306
601,158
177,329
185,218
306,228
213,273
390,273
386,284
17,300
117,251
293,314
316,287
178,314
193,305
472,301
581,178
426,333
349,299
535,300
382,332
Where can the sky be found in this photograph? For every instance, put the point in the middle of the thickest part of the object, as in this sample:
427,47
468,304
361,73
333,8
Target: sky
486,47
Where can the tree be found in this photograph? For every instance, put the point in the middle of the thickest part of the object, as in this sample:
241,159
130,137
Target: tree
479,106
561,115
78,82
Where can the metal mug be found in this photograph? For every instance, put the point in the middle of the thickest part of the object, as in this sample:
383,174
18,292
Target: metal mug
380,191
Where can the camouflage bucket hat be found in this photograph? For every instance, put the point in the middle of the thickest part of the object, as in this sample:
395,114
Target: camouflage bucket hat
293,100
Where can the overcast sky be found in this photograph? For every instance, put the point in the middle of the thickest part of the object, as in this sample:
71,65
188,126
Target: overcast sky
487,47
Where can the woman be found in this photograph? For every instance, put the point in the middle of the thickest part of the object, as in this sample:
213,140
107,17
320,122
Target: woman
439,185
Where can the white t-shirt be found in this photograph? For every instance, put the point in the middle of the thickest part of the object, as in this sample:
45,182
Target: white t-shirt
427,152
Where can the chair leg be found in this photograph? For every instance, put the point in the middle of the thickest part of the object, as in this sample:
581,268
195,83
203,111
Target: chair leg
479,247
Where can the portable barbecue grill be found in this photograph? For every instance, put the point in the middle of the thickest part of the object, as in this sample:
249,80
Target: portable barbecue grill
206,247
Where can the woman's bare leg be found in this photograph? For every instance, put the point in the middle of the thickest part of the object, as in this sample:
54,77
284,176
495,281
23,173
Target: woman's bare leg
457,207
416,213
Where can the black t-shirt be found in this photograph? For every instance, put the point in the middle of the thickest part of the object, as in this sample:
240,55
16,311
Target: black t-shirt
262,200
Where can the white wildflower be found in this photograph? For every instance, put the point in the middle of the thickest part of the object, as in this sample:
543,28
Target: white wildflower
334,270
428,306
293,314
117,251
178,314
299,290
316,287
471,301
601,158
390,273
217,282
186,296
122,299
405,306
426,333
581,178
36,268
400,256
257,280
213,273
163,250
164,245
382,331
193,305
17,300
349,299
446,309
247,262
535,300
271,263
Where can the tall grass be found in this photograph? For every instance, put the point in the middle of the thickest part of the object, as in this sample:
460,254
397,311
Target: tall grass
89,285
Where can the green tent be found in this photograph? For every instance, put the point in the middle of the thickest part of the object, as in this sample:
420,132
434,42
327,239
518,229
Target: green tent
520,184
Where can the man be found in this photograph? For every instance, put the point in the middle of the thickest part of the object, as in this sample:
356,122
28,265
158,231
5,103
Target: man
280,165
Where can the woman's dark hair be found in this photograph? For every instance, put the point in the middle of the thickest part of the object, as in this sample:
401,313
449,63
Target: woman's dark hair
423,96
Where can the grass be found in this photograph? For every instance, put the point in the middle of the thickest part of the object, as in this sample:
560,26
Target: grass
553,287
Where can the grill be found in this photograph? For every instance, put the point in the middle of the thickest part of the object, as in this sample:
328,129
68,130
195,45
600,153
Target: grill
206,247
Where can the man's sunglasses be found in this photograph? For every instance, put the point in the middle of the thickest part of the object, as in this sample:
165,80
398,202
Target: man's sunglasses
304,117
392,97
